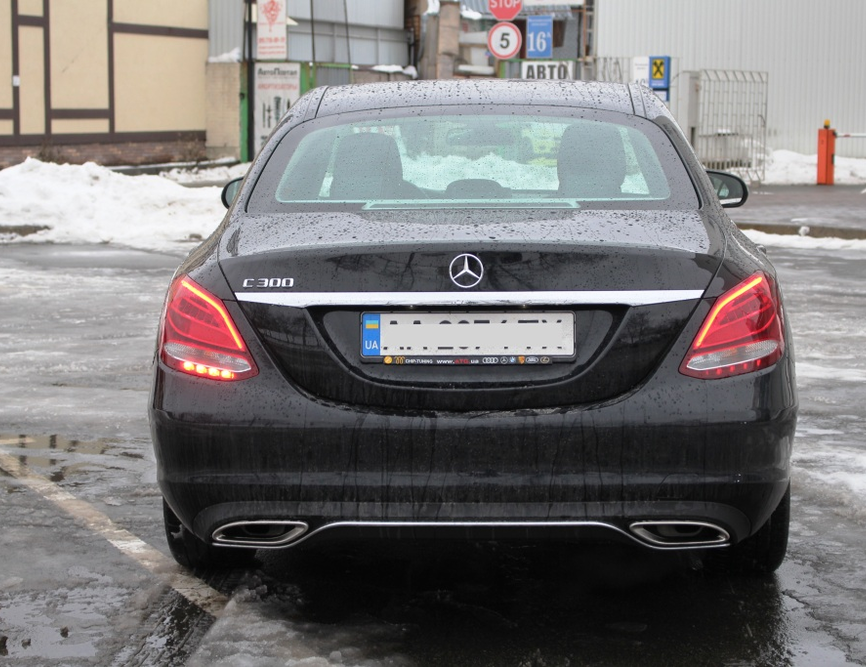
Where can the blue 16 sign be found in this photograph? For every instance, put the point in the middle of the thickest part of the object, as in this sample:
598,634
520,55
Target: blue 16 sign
539,36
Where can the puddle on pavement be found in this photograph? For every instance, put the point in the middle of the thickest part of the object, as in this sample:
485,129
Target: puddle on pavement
58,455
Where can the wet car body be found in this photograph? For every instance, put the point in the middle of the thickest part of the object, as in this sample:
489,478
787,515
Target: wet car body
612,438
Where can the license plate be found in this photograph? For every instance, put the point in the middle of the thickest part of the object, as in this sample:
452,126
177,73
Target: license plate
473,338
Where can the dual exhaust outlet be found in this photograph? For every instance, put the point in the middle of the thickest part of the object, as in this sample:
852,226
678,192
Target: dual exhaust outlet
656,534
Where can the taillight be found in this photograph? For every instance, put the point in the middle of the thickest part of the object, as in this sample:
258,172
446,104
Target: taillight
743,332
199,336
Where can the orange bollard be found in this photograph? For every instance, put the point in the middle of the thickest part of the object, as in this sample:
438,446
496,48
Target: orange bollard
826,154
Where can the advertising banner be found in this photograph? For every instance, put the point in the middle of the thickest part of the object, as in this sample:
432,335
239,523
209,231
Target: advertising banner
271,33
277,88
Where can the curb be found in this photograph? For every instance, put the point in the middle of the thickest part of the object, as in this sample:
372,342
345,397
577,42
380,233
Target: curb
789,229
156,169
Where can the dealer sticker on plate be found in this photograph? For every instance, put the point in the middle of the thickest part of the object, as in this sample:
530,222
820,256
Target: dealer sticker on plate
467,338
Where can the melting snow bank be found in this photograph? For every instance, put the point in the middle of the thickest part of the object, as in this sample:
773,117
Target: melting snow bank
790,168
92,204
261,627
219,174
804,242
828,458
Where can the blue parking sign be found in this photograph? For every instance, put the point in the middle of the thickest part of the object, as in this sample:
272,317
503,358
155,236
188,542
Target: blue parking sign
539,36
660,72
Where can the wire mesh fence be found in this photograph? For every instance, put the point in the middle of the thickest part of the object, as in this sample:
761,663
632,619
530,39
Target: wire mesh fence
732,121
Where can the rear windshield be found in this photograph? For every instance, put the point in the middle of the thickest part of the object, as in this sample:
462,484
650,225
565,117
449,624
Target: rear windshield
475,160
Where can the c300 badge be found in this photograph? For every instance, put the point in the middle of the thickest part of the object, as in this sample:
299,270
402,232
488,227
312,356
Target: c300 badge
268,283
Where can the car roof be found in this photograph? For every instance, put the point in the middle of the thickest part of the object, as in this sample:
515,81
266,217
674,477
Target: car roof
461,92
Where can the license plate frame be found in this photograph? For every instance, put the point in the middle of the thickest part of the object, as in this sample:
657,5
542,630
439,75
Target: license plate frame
468,337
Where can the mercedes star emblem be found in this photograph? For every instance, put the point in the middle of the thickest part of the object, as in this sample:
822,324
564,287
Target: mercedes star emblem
466,270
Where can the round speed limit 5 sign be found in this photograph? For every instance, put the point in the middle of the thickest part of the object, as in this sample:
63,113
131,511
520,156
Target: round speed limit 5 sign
504,40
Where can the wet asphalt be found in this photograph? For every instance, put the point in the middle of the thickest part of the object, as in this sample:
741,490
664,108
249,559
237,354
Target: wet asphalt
77,474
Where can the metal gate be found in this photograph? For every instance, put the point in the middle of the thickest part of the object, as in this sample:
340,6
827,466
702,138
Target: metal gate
731,130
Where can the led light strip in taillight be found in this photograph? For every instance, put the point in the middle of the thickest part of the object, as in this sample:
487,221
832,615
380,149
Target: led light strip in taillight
199,336
721,303
218,306
742,333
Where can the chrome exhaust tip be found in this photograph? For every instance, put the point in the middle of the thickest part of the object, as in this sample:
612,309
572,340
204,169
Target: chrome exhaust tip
680,534
262,534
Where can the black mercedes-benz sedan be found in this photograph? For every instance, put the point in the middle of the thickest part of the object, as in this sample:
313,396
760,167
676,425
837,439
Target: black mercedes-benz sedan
476,310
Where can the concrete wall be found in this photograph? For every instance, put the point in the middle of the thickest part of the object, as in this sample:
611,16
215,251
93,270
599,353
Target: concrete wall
223,109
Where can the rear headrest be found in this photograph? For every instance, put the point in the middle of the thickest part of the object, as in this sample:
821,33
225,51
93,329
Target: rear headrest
591,161
366,166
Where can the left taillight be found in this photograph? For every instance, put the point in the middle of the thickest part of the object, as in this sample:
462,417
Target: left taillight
742,333
199,336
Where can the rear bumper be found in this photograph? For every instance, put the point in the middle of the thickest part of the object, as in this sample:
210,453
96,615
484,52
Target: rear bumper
716,452
269,524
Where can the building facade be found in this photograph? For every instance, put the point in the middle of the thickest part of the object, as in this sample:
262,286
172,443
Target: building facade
144,81
148,81
115,81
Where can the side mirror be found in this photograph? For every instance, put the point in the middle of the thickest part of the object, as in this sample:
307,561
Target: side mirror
731,190
230,191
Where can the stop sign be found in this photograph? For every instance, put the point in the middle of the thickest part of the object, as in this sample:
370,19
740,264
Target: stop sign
505,10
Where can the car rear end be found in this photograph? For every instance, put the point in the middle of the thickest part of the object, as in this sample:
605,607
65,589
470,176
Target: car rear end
480,346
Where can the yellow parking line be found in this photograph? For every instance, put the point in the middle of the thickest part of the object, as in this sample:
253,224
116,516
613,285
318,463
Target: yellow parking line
196,591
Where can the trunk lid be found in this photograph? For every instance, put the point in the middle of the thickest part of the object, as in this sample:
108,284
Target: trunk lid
623,282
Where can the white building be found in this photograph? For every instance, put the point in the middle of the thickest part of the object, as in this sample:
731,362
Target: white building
814,54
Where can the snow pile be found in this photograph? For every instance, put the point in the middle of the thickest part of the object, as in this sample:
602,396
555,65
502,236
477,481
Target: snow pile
465,12
92,204
233,56
797,241
222,174
829,462
470,14
261,625
790,168
388,69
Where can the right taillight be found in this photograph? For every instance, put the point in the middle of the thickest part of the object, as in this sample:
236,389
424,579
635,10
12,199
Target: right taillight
199,336
743,332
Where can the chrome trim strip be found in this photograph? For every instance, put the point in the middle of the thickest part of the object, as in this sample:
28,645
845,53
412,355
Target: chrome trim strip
461,524
384,299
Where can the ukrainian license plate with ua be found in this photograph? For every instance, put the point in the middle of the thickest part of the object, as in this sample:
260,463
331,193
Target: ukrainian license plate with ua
467,338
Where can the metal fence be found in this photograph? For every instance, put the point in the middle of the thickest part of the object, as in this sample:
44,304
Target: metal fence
732,121
608,68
